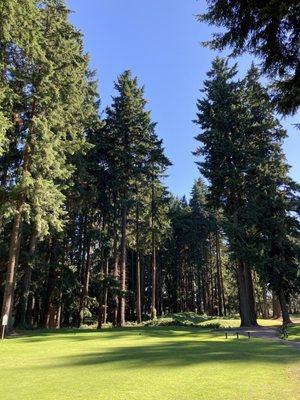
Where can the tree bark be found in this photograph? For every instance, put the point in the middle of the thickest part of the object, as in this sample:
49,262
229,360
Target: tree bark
14,250
50,285
105,293
23,321
138,269
265,311
153,293
123,260
223,291
250,295
219,284
276,307
284,308
246,295
85,282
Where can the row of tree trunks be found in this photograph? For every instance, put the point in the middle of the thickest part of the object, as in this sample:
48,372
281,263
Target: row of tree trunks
51,314
50,286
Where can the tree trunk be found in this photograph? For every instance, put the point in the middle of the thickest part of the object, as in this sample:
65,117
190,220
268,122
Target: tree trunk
23,322
276,307
85,283
247,310
14,250
219,284
116,275
15,240
105,293
101,302
123,260
284,308
250,294
223,291
199,292
153,262
153,276
265,310
50,285
138,270
30,310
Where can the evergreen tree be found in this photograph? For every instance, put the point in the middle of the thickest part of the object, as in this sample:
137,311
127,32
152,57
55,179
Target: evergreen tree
54,111
128,127
224,148
268,30
15,43
272,195
244,162
158,163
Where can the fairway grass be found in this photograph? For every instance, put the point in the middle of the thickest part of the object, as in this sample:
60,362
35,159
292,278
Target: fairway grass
294,333
160,363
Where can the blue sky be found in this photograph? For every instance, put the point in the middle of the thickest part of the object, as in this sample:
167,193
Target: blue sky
159,40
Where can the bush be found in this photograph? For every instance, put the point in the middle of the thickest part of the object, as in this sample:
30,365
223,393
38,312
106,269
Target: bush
180,319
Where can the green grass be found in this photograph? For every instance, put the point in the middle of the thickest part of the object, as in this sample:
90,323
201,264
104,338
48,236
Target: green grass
294,333
178,363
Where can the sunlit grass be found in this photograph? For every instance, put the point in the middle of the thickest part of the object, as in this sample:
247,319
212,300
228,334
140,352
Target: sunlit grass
294,333
146,363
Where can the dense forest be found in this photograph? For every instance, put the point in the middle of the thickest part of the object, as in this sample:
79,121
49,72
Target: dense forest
89,232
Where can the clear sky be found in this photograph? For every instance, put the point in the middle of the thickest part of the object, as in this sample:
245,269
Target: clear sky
159,40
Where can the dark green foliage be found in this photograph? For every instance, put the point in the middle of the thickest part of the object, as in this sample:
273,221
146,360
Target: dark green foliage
267,29
243,161
88,231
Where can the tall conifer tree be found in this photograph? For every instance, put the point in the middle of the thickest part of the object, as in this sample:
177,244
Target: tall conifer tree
224,148
53,114
129,127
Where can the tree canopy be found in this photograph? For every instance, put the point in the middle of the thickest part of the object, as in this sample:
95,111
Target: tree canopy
268,30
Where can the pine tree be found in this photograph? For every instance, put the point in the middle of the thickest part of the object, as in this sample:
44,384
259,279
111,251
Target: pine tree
14,41
54,112
268,30
157,164
224,148
244,162
128,127
272,195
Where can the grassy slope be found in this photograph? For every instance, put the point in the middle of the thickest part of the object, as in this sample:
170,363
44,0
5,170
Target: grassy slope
146,363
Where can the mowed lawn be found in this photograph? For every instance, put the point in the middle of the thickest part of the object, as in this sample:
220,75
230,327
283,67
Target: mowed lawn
160,363
294,333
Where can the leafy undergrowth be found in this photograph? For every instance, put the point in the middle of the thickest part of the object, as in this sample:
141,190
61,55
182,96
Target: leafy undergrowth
190,319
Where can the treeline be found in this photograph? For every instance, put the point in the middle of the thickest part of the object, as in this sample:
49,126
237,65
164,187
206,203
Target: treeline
240,145
89,232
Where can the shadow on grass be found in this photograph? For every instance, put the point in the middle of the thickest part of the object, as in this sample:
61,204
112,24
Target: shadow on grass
109,333
180,354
